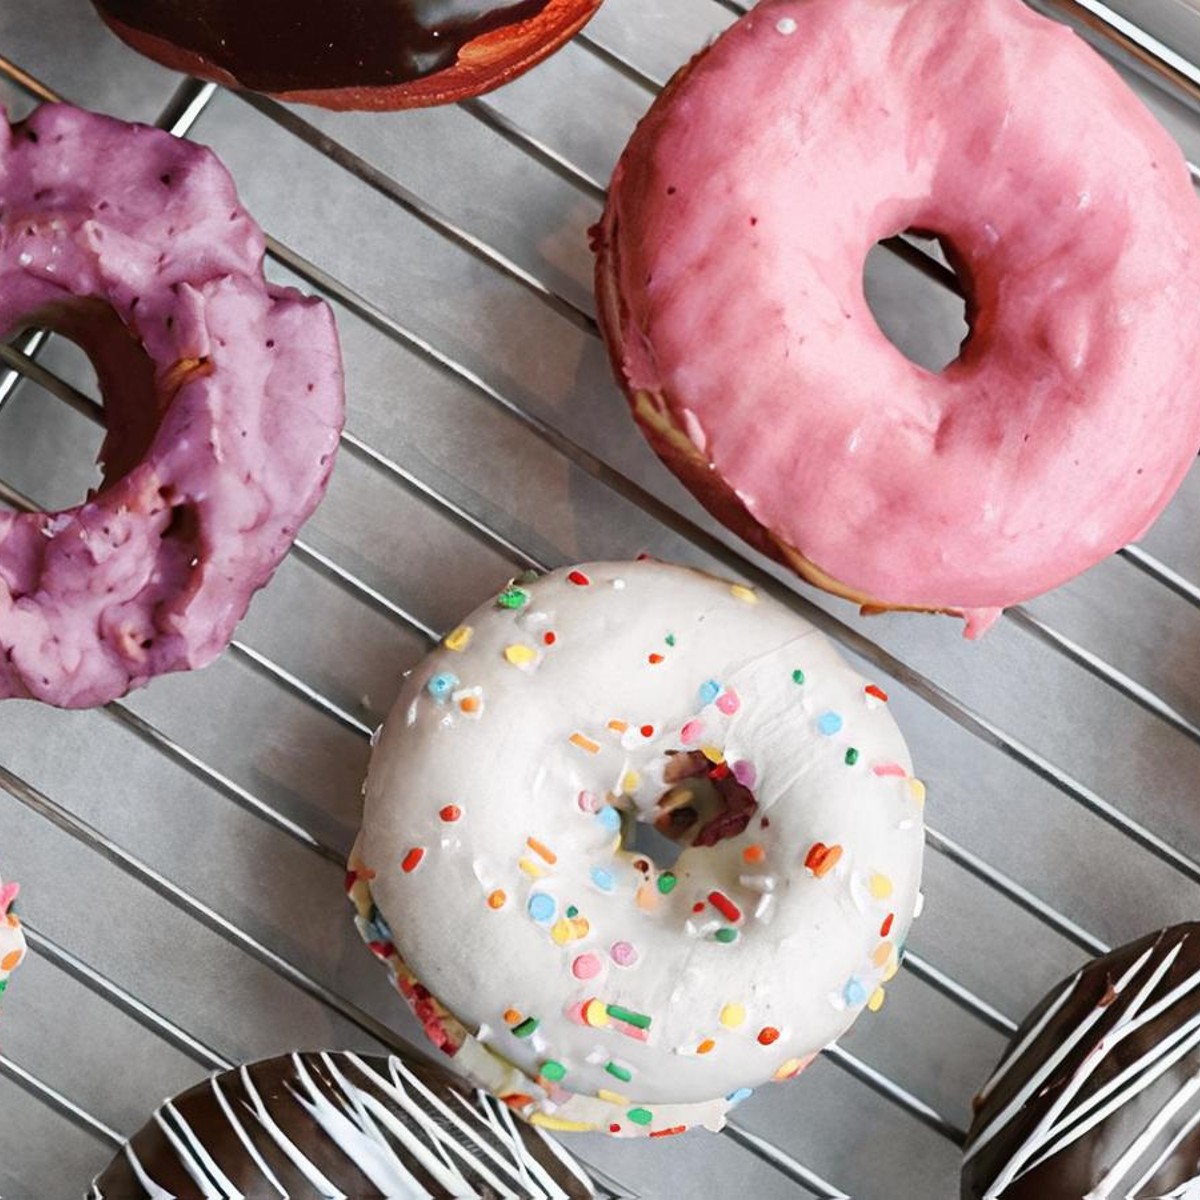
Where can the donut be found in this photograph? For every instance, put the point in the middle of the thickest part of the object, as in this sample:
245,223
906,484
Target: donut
1099,1094
223,405
339,1124
729,277
12,937
636,840
357,54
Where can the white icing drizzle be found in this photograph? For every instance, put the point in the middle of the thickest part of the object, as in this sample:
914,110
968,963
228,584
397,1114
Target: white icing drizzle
355,1120
1072,1117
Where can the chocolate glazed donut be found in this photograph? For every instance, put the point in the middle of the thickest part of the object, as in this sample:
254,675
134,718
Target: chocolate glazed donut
376,54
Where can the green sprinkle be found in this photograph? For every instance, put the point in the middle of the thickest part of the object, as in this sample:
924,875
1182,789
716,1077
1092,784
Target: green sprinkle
851,757
572,911
624,1074
513,597
797,676
670,639
726,935
3,985
636,1019
667,882
553,1071
526,1028
640,1116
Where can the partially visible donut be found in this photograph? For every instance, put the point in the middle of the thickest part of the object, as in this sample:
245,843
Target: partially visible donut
567,966
365,54
223,404
12,937
730,278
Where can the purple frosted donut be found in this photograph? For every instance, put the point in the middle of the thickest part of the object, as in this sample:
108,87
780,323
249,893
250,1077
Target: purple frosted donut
223,400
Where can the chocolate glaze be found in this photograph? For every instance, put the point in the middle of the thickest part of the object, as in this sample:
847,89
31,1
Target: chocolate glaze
303,1122
299,45
1127,1025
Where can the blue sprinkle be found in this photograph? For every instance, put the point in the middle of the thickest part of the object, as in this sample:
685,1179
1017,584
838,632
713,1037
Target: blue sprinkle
542,908
740,1095
440,686
609,818
377,927
603,879
829,723
854,993
709,691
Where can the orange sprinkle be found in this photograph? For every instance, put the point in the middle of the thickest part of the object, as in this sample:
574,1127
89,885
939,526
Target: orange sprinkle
706,1046
450,813
517,1100
511,1016
584,743
412,860
10,960
674,1129
541,851
883,954
469,704
821,859
618,726
768,1034
497,898
754,854
655,659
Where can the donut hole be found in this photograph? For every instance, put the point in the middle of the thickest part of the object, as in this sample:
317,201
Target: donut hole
703,805
923,319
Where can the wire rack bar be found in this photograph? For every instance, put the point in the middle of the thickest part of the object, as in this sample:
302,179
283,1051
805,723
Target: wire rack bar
53,1098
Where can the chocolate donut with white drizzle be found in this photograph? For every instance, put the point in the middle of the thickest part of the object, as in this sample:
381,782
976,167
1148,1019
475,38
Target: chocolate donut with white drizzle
337,1124
1099,1096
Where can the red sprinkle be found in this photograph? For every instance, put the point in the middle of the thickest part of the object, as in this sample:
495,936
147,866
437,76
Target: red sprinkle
668,1132
647,731
768,1034
698,907
549,637
450,813
886,927
877,692
725,906
579,579
412,860
655,659
720,771
614,1128
821,859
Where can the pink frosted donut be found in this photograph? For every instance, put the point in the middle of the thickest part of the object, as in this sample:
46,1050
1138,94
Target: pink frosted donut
223,402
730,279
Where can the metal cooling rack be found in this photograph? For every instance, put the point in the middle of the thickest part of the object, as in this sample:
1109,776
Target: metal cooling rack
182,850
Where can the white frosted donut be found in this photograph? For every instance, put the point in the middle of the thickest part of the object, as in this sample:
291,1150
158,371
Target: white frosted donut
588,984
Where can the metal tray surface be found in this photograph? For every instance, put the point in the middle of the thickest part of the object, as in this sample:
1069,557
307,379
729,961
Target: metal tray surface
182,850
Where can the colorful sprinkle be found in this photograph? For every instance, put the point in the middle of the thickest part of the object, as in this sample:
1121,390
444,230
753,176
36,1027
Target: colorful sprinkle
553,1071
586,966
646,898
618,726
450,813
511,1016
754,854
412,860
667,882
883,954
789,1069
459,639
647,731
441,685
917,790
630,782
610,1097
520,655
706,1046
878,996
549,637
741,592
542,907
886,770
579,579
654,659
714,754
821,859
584,743
881,886
513,597
725,906
877,692
497,899
609,818
470,701
797,676
733,1015
669,639
541,851
693,731
603,879
829,723
636,1019
588,802
617,1071
743,1093
729,703
767,1035
671,1132
745,772
725,935
595,1013
527,1028
851,756
854,993
532,869
886,927
709,691
640,1116
623,954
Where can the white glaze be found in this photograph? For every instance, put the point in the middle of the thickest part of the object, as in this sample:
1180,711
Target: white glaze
804,961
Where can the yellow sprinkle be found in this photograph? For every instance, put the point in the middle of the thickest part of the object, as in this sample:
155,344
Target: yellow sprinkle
584,743
881,886
618,726
892,968
595,1014
883,954
630,781
459,639
788,1069
611,1097
520,655
646,897
712,754
733,1015
742,592
878,996
532,869
560,931
917,788
560,1124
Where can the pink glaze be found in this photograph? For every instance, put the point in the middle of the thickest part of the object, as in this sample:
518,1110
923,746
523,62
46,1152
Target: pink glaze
739,221
133,243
